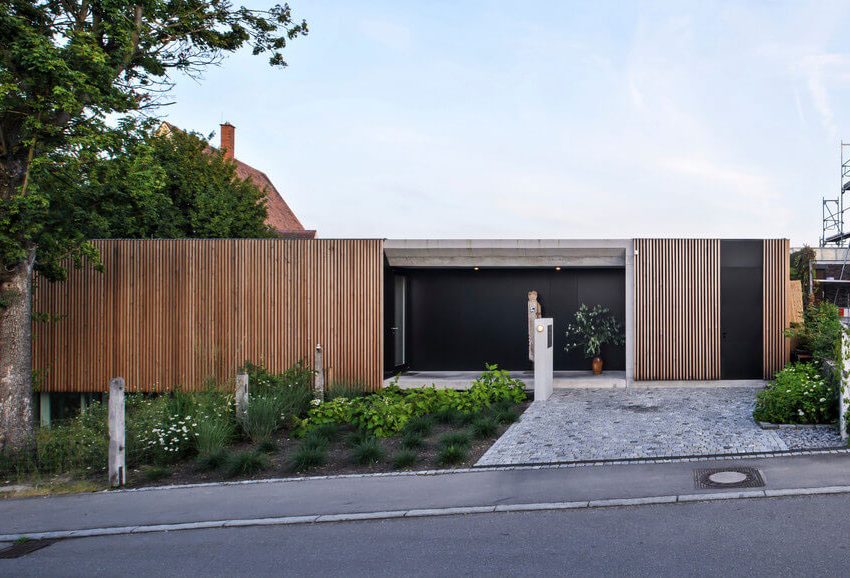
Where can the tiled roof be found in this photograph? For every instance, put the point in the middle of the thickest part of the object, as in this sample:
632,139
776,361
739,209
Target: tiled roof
280,216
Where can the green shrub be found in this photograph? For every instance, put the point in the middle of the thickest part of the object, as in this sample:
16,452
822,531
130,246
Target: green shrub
451,455
292,390
448,416
387,412
799,394
404,459
455,439
155,473
421,424
264,417
506,416
484,427
246,463
368,452
347,389
357,437
820,333
212,460
267,446
329,432
213,435
306,457
315,440
412,441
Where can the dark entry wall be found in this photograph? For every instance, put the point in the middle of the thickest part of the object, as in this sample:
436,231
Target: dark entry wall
741,294
460,319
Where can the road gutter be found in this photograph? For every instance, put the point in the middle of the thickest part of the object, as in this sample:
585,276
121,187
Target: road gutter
424,513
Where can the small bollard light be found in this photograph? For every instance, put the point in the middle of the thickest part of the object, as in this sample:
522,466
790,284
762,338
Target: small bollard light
539,329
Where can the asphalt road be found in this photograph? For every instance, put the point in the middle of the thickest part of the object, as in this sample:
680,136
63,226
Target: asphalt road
764,537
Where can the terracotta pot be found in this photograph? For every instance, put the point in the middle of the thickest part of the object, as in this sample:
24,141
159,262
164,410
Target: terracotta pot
597,365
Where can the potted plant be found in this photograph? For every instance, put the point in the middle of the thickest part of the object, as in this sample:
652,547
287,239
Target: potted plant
593,327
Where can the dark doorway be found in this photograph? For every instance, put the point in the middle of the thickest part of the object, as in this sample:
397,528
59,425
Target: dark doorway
741,309
460,319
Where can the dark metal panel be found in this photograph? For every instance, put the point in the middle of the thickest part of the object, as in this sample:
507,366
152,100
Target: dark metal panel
741,279
460,319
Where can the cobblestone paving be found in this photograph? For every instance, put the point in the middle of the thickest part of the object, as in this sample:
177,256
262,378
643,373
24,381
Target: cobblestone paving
634,423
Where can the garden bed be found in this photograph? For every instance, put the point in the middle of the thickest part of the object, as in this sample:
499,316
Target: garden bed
185,438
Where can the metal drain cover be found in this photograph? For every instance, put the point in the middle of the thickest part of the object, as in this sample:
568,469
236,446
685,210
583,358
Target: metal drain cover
728,478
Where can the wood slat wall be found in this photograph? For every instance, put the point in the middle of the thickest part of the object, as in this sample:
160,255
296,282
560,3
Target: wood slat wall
677,309
168,313
777,348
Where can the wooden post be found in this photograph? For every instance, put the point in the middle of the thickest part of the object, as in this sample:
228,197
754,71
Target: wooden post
319,369
117,461
241,394
44,409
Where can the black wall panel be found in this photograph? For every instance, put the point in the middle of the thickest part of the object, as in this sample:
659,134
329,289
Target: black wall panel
460,319
741,312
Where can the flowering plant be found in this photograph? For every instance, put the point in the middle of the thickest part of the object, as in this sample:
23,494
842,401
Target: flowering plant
593,327
798,394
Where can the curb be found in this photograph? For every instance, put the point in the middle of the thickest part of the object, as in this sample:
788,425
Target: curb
500,468
424,513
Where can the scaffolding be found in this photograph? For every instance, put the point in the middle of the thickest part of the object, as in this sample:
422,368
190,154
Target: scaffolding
833,210
837,289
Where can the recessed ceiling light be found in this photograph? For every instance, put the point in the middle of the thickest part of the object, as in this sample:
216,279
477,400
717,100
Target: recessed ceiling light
475,268
557,268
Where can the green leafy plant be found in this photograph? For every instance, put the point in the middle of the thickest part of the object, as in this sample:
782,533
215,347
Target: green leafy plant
264,417
592,328
315,440
213,460
368,452
421,424
484,427
448,416
455,439
306,457
267,446
798,394
451,455
506,416
213,435
820,332
412,440
404,459
246,463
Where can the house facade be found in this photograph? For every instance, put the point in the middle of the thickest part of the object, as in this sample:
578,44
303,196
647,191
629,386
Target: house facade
177,313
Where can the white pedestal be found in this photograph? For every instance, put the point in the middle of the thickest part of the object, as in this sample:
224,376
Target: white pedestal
543,355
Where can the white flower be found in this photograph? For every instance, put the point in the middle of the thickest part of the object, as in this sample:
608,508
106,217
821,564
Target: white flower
823,399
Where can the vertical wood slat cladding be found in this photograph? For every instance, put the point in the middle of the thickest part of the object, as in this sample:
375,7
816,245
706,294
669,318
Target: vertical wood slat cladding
677,309
178,312
777,348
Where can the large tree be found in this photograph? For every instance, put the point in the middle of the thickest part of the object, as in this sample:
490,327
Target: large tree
66,67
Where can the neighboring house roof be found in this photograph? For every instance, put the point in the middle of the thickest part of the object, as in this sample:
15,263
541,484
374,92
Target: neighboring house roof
280,216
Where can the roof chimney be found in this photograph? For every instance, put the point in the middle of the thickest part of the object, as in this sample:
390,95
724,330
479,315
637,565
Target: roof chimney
228,139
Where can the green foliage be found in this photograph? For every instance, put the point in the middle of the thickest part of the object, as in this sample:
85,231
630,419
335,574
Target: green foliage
357,437
451,455
214,434
368,452
404,459
306,458
292,389
65,68
387,412
454,439
797,395
264,417
800,261
314,439
421,424
506,416
155,473
593,327
246,463
484,427
345,389
267,446
820,333
412,440
213,460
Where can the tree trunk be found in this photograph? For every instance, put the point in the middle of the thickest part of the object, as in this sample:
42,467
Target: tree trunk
16,419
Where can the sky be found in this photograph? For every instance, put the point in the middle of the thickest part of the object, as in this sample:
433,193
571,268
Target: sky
476,119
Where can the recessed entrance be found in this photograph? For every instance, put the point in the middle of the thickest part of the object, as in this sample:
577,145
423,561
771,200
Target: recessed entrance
459,319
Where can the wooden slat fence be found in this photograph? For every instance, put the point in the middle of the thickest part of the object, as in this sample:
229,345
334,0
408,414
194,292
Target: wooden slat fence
777,348
167,313
677,309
